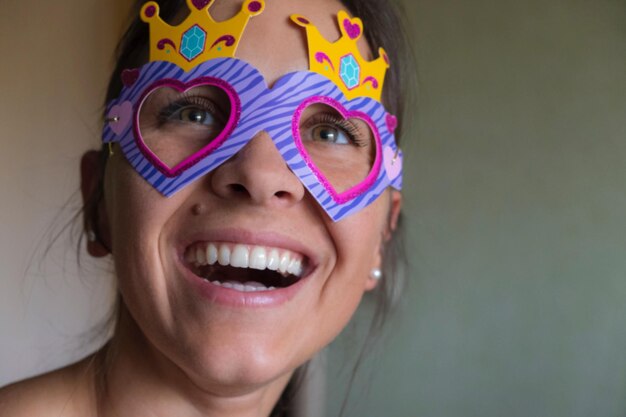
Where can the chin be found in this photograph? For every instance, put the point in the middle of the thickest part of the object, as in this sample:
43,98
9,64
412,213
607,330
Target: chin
238,369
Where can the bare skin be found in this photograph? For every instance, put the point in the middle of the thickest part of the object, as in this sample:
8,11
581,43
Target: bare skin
65,392
173,355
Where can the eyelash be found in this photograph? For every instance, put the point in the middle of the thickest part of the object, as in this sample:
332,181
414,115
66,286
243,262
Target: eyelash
353,132
204,103
180,103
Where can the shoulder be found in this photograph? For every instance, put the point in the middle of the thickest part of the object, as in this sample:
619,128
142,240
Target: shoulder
64,393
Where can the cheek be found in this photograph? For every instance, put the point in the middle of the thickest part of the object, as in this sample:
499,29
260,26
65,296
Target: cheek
358,238
357,241
138,217
139,214
134,212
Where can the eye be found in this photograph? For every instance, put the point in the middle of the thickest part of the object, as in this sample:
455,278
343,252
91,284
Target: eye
175,125
194,110
340,148
195,115
330,134
331,129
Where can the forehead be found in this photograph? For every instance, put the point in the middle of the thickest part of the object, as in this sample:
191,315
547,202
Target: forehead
274,44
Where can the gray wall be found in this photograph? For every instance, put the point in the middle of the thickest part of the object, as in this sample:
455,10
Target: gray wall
516,190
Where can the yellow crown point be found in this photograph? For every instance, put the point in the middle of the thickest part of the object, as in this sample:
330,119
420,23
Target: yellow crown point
199,38
342,62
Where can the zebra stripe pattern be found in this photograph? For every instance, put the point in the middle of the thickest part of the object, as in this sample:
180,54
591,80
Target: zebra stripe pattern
262,109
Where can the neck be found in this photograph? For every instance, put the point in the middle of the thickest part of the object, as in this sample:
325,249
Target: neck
139,380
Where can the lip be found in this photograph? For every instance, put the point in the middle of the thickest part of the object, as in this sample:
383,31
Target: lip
232,298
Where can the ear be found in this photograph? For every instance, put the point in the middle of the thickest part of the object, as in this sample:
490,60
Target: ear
394,214
94,213
395,205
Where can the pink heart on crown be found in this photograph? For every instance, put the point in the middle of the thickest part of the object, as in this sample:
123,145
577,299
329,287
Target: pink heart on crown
393,163
392,123
200,4
130,76
123,113
352,29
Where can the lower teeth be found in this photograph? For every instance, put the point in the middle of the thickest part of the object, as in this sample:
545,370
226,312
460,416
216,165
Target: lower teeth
247,287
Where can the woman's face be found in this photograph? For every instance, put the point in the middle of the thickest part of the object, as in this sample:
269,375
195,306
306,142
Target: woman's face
225,337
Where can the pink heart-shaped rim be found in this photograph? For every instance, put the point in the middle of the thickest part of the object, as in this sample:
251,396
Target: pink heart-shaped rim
359,188
352,29
191,160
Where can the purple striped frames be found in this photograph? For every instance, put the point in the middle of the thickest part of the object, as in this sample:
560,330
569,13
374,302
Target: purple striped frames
146,122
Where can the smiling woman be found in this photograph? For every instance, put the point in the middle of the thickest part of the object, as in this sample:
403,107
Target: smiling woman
247,191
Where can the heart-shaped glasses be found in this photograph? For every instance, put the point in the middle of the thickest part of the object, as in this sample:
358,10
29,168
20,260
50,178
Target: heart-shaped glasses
175,126
179,124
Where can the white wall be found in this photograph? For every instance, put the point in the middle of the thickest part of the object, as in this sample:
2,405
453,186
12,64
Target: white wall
56,56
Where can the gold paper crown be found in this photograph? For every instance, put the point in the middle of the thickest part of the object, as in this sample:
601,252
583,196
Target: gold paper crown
342,62
199,38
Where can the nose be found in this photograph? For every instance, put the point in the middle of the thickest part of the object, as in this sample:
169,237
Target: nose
259,174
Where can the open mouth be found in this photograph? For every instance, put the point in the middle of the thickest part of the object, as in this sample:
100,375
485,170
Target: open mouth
245,268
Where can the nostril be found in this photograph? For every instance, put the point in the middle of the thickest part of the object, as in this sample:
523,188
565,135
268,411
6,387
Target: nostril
239,189
282,194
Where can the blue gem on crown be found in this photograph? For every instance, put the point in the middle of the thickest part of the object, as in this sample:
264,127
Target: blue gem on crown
193,42
349,71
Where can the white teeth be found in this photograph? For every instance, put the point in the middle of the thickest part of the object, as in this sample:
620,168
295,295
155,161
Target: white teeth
240,257
285,260
190,257
200,256
255,286
273,260
291,266
211,254
251,286
258,258
223,256
245,256
295,267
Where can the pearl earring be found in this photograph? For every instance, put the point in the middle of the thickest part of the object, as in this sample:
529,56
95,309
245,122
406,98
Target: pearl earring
376,274
91,236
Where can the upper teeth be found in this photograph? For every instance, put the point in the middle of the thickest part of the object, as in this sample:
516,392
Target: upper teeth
245,256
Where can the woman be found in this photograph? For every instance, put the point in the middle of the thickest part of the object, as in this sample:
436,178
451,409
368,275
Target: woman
248,186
